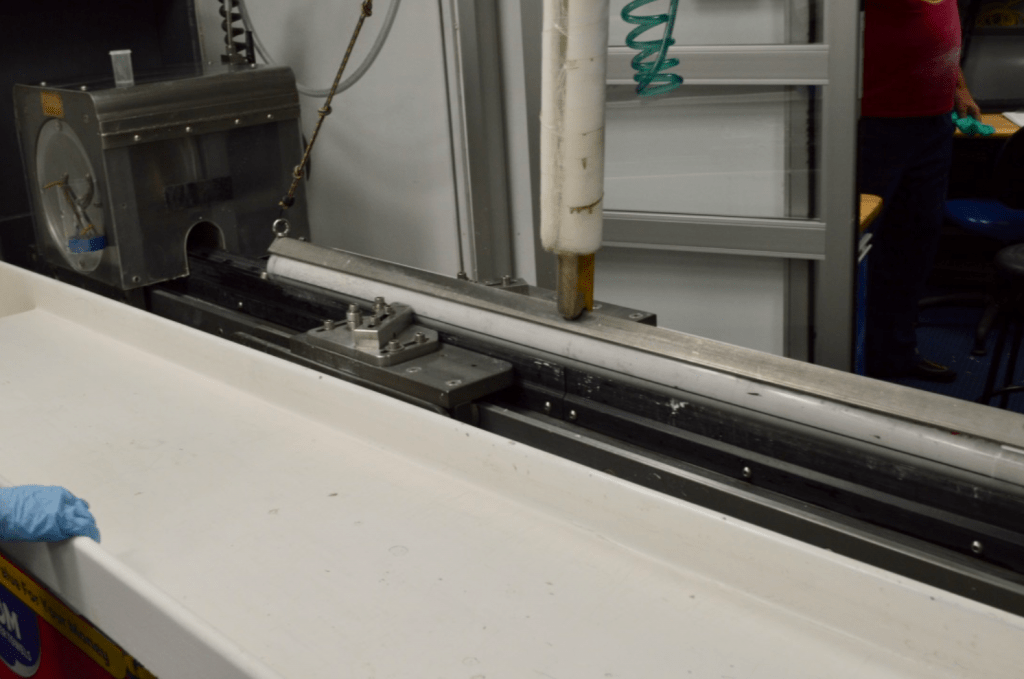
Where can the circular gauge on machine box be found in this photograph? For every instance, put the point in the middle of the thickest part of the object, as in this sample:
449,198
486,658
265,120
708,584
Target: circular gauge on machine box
72,210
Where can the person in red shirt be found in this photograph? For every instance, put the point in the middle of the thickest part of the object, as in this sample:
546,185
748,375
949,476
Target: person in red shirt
912,84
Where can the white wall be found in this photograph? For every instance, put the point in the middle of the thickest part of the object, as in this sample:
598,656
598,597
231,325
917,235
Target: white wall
698,150
382,180
729,298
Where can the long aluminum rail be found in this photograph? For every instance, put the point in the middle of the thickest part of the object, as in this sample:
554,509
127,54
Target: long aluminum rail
963,435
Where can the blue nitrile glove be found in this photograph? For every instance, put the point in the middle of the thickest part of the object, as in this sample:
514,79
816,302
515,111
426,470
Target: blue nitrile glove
972,127
44,514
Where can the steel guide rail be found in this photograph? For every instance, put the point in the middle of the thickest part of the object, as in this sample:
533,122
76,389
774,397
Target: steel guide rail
981,439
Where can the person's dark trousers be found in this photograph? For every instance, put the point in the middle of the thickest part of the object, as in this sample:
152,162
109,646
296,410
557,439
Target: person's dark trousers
906,161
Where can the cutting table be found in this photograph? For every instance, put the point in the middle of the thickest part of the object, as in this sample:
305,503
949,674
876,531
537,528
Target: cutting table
262,520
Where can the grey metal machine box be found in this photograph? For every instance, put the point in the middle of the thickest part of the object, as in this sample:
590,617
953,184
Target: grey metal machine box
121,176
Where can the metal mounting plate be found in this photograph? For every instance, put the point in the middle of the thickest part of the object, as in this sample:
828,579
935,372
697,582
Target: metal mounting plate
448,377
411,342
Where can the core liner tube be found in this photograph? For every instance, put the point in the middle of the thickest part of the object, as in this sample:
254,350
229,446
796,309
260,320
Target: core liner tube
574,58
980,440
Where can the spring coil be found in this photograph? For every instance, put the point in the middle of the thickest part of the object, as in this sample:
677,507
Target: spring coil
651,75
233,26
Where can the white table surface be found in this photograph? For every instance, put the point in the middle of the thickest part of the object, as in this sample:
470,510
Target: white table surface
303,527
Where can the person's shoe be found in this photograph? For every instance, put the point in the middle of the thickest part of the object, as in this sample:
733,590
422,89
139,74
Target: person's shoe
931,371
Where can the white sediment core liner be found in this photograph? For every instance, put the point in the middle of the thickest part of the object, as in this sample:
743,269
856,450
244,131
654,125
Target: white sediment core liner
574,66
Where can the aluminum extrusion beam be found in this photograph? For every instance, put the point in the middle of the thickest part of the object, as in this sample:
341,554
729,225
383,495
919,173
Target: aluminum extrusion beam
790,238
734,64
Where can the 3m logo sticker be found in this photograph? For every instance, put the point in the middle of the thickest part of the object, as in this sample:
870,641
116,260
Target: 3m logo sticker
35,623
19,636
53,104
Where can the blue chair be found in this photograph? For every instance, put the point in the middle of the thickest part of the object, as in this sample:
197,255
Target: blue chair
988,217
1000,218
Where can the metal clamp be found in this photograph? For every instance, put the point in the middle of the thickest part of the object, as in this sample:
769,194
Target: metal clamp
383,336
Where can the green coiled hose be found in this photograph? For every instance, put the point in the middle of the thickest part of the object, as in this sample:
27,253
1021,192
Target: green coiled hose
651,76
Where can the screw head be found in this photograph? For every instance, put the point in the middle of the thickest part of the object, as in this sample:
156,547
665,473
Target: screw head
572,416
84,88
420,338
636,316
136,138
328,324
547,407
238,121
394,345
747,472
241,305
977,547
188,128
453,383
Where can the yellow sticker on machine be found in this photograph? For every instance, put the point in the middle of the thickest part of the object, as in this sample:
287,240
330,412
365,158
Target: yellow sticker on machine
53,104
71,626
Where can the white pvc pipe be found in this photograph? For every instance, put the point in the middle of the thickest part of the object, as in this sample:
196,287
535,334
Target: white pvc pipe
574,67
988,457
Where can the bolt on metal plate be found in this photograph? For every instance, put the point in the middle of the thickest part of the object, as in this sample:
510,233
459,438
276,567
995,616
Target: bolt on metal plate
383,335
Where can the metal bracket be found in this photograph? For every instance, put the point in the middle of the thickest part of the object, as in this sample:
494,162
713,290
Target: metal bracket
386,346
509,283
385,336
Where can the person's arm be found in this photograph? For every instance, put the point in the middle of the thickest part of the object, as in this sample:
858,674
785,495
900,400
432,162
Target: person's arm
963,102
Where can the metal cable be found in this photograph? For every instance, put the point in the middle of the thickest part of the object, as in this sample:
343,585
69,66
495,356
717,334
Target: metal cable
325,110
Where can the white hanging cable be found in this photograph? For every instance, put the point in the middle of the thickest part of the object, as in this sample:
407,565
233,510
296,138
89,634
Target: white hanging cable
382,37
